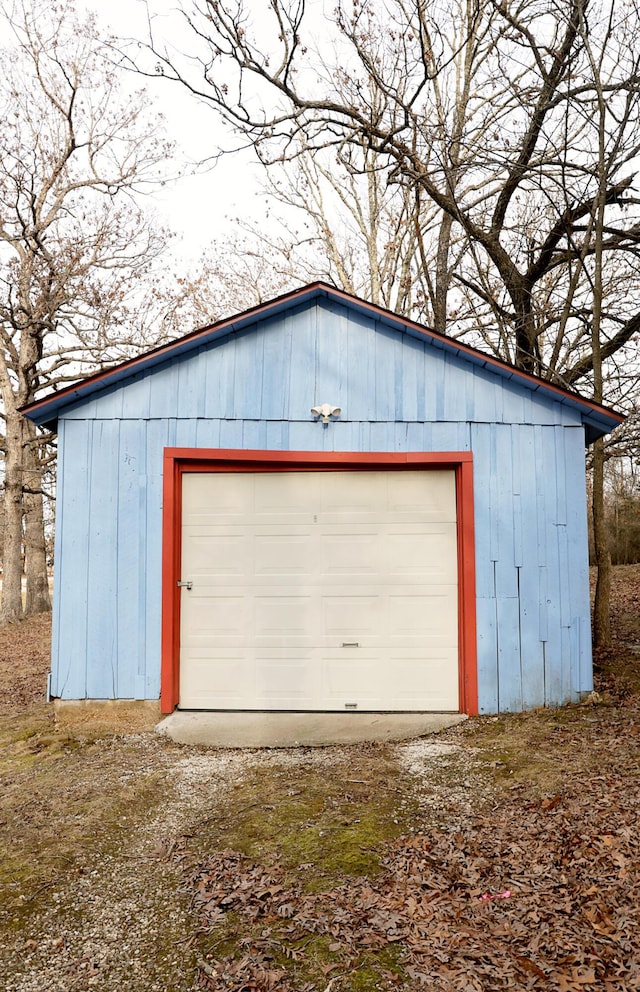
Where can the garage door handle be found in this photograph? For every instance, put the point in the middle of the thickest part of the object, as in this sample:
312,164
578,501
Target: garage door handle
187,585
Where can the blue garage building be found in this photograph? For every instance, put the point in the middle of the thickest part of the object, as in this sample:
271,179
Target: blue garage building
320,505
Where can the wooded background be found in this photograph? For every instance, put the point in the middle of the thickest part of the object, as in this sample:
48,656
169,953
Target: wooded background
469,164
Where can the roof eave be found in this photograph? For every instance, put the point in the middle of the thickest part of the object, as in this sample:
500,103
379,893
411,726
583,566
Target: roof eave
598,420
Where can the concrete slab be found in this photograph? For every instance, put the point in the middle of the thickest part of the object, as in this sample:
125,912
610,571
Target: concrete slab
250,729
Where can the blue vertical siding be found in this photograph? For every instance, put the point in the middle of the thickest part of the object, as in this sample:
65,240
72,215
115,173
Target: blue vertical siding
302,370
131,593
136,398
530,590
510,697
254,389
71,580
191,395
149,623
104,536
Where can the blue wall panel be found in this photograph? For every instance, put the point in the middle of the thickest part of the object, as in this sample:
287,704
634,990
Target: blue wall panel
502,513
487,397
549,555
231,434
509,654
457,397
543,603
131,591
330,366
385,367
86,409
136,397
577,541
151,621
482,468
359,395
102,588
488,682
69,675
254,389
156,433
531,652
302,370
247,390
208,434
191,386
512,402
163,392
410,383
220,380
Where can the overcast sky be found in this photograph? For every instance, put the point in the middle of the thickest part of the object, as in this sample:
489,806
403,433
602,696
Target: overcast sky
198,207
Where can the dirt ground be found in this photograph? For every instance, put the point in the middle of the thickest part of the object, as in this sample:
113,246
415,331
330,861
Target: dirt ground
500,854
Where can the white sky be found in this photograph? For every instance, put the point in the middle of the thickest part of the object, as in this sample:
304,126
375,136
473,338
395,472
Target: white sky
200,207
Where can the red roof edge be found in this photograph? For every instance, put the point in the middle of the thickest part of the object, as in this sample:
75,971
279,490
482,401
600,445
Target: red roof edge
46,409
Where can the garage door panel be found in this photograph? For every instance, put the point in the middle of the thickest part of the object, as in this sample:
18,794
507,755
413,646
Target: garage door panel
214,684
232,500
348,616
431,677
349,678
287,616
426,556
215,554
281,554
290,570
279,675
349,553
427,613
435,501
285,495
216,615
347,498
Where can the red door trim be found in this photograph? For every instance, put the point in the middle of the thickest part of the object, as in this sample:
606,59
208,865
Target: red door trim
177,461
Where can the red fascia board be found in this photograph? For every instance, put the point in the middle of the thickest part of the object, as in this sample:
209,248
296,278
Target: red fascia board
45,410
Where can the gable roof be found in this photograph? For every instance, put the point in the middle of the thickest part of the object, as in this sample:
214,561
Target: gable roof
598,419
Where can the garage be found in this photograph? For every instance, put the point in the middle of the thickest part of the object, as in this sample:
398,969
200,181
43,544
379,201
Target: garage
320,505
326,590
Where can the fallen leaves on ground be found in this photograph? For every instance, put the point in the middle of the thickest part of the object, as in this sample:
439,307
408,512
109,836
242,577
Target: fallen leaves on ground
534,891
570,921
25,658
567,857
625,604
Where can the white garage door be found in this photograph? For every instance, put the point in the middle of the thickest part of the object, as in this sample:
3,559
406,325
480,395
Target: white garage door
319,591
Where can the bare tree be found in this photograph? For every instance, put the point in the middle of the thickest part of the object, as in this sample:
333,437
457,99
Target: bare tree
518,124
333,220
73,145
623,509
347,217
514,146
236,272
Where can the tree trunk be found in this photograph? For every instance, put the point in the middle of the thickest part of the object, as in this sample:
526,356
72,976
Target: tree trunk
526,332
602,605
442,275
12,552
601,612
37,598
